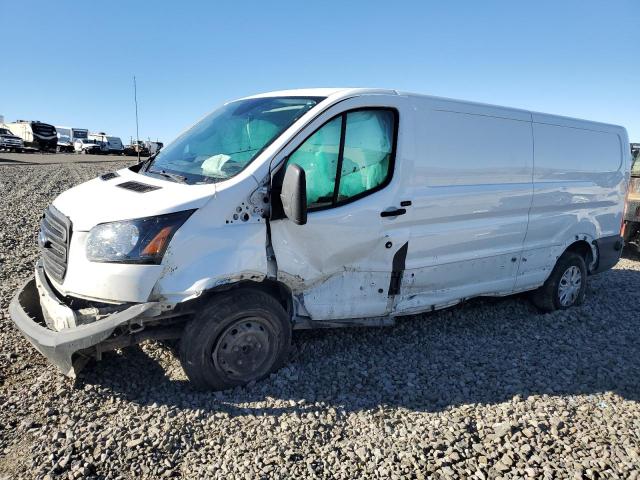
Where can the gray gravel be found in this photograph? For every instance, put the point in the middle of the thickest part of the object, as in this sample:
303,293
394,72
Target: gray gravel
487,390
39,158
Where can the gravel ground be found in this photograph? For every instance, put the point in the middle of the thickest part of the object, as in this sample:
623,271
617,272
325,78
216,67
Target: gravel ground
489,389
39,158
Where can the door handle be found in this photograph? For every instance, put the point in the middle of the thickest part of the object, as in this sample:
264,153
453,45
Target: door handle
393,213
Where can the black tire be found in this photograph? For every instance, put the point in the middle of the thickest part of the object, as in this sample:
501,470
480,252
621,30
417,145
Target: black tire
238,337
553,294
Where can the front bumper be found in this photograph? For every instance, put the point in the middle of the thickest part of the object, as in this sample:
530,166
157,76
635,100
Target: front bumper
11,144
59,347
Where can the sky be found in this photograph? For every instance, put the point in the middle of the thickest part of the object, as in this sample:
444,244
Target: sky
73,65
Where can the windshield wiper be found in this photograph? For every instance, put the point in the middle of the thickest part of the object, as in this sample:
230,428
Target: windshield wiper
146,164
173,176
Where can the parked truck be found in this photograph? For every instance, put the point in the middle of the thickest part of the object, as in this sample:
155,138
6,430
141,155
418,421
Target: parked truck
9,141
87,146
67,136
35,134
323,208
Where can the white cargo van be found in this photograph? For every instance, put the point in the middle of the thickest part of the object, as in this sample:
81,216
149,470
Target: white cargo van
323,208
109,144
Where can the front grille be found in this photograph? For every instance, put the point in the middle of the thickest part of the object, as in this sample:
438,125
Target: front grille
138,187
54,240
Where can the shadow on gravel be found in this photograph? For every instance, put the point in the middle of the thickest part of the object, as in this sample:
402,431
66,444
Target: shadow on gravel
486,352
10,161
631,253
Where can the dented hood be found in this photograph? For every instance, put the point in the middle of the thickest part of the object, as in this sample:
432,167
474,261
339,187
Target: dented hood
98,201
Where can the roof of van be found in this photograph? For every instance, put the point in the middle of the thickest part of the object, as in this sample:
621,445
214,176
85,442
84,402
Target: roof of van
516,112
325,92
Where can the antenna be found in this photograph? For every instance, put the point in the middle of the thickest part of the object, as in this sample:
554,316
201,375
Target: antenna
135,99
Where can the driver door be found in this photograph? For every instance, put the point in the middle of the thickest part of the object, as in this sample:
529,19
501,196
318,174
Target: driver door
340,263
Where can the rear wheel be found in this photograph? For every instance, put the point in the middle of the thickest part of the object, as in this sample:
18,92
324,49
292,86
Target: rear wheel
566,285
239,337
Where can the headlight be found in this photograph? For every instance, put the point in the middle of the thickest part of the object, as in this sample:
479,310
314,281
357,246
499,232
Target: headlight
142,240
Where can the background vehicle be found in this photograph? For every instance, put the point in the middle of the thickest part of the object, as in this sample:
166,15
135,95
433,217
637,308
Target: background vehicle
323,208
9,141
137,146
632,215
153,147
67,137
35,134
85,145
108,143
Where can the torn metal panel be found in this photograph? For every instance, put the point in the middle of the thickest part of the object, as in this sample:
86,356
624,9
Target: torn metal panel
207,252
253,209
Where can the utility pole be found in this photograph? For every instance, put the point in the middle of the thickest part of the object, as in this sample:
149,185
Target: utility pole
135,99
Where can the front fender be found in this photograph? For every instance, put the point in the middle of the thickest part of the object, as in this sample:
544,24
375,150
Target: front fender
211,258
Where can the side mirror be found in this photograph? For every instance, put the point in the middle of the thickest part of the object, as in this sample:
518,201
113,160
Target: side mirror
294,194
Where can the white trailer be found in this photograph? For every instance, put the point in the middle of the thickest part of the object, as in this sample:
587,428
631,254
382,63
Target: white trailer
323,207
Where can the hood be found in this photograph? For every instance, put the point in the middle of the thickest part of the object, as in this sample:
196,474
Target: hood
12,137
98,201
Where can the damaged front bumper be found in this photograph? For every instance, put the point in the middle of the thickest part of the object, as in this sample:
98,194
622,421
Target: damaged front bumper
36,301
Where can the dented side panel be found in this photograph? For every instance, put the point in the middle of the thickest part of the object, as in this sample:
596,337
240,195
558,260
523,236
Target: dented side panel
222,243
339,263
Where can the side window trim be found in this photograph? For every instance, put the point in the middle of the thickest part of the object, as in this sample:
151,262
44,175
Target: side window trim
392,158
336,186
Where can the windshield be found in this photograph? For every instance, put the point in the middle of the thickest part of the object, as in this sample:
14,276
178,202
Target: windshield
4,131
227,140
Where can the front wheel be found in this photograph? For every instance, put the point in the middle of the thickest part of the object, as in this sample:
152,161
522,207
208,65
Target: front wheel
238,337
566,285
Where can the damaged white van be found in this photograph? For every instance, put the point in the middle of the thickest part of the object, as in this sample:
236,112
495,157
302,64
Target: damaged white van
322,208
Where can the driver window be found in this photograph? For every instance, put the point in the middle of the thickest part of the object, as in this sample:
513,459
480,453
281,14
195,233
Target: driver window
318,156
339,171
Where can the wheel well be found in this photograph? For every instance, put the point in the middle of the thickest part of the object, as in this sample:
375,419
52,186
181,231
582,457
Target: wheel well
277,290
582,248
